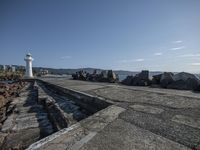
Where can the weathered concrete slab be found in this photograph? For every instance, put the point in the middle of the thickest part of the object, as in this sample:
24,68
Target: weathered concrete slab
118,94
121,135
193,122
147,109
163,126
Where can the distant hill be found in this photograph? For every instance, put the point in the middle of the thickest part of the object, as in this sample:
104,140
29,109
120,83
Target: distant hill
89,70
121,73
66,71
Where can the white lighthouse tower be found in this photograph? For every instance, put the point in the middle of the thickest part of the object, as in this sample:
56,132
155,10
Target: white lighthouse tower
28,59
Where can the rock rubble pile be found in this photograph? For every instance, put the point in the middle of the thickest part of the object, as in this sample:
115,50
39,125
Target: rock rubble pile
181,81
104,76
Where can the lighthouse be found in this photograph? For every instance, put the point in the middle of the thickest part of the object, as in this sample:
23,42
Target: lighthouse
28,59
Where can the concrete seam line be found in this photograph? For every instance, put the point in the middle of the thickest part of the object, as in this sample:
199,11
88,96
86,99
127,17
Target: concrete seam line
52,137
84,140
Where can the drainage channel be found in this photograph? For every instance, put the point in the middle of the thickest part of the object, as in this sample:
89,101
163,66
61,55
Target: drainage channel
43,109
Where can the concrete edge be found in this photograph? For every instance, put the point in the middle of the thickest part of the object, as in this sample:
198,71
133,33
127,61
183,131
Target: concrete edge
92,121
52,137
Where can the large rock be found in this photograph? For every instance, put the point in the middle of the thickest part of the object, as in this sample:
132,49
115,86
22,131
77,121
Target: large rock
166,79
80,75
75,76
127,80
185,81
180,84
103,74
156,79
111,76
102,77
193,84
144,75
141,79
184,76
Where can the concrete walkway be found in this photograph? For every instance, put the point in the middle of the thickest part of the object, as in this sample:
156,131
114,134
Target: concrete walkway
149,118
28,123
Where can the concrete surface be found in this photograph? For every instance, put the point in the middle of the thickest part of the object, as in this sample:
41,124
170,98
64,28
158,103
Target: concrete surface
28,123
156,119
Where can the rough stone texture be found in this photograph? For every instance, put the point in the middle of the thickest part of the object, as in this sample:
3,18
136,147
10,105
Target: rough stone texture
27,122
146,97
2,139
144,75
127,80
189,84
183,81
186,120
163,126
122,135
8,124
184,76
22,139
111,76
166,79
104,76
156,79
141,79
147,109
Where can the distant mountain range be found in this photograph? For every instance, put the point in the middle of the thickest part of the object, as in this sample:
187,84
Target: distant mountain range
121,73
89,70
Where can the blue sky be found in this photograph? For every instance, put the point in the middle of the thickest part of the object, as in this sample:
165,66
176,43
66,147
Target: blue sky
158,35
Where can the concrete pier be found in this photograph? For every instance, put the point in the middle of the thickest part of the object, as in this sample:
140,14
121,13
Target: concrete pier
80,115
140,118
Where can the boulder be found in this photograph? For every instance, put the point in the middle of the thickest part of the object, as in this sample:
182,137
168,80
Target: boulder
192,84
75,76
102,77
111,76
103,74
140,79
156,79
127,80
144,75
94,72
80,75
185,81
184,76
166,79
180,84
